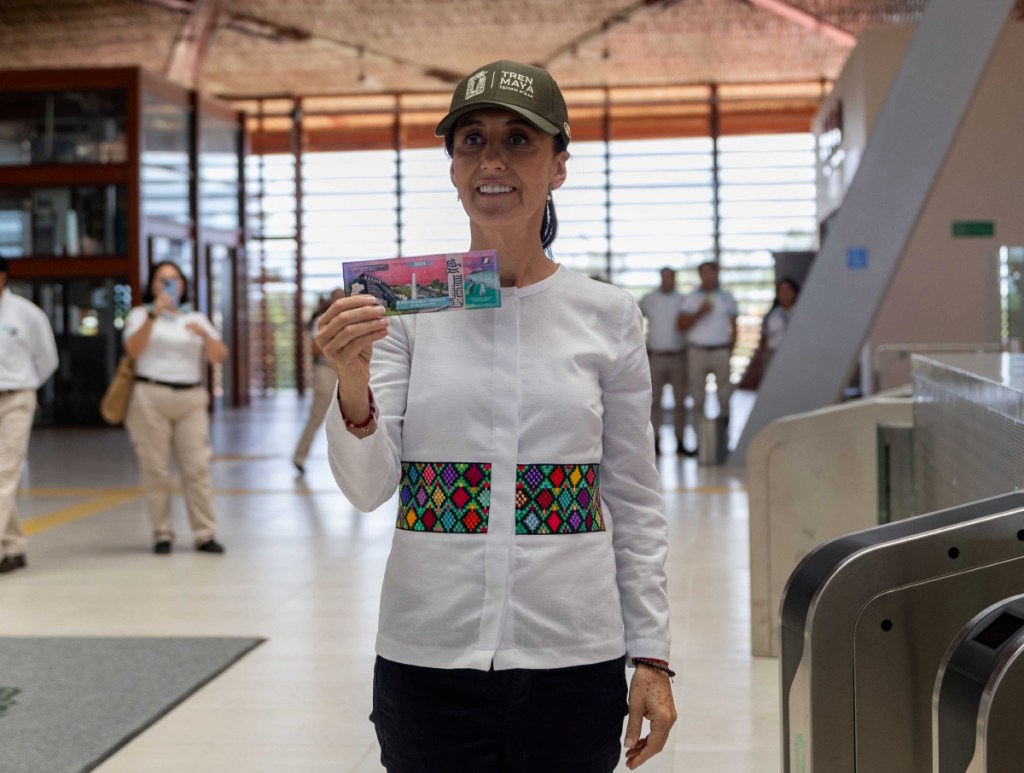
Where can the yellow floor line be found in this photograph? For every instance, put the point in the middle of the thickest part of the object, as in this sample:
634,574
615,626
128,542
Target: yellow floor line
80,510
78,492
104,499
705,490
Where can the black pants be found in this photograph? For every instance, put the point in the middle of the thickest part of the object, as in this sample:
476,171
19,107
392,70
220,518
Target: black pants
561,720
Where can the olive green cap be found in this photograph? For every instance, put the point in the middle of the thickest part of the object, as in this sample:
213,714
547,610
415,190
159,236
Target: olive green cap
522,88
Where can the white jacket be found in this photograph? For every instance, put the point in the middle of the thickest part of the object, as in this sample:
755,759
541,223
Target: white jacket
491,424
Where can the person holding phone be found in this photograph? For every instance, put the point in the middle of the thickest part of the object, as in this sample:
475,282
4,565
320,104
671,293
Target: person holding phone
527,566
168,414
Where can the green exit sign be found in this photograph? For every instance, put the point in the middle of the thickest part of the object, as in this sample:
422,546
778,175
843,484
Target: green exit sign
974,228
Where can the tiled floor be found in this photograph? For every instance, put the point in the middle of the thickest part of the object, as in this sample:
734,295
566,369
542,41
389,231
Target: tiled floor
304,569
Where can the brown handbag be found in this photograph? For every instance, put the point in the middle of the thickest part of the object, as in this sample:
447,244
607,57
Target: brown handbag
114,404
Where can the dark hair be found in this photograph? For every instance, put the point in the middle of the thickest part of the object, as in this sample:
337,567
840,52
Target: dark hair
789,281
549,225
3,265
147,293
784,280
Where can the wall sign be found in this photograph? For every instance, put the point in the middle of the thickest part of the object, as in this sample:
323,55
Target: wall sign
969,228
856,257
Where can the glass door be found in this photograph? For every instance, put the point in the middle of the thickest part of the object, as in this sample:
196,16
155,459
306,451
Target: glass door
220,260
1011,296
87,317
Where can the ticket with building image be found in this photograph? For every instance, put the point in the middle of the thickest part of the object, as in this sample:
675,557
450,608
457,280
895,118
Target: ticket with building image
411,285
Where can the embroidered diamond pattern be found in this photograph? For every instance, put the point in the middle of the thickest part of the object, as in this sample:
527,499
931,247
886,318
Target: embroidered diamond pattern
558,499
449,475
452,497
533,475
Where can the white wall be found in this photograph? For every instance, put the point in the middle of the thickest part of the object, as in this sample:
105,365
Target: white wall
945,290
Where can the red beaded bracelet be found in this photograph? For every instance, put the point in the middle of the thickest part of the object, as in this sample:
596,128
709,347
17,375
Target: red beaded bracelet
363,427
660,665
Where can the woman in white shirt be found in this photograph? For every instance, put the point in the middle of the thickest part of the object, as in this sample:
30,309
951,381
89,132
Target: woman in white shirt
323,383
528,558
168,411
773,327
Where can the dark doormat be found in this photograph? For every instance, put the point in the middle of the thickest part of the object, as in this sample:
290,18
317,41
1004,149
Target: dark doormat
67,704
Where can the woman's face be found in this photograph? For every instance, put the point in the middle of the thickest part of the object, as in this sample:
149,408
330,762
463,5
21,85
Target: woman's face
503,167
786,294
164,273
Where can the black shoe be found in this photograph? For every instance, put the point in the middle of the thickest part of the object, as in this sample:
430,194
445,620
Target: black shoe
163,547
210,546
300,468
10,563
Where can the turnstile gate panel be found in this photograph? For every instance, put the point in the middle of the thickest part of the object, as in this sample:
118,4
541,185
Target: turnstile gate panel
979,695
866,619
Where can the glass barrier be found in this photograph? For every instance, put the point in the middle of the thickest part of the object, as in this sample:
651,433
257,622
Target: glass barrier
219,173
166,148
62,127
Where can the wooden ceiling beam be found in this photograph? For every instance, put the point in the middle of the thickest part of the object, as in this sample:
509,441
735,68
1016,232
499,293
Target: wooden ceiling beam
194,40
799,16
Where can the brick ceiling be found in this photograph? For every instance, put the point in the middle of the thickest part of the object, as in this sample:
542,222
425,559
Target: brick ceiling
303,47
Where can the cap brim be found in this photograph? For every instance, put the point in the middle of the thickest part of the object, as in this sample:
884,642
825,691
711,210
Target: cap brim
448,122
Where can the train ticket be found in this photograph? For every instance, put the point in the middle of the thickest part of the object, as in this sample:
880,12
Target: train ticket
411,285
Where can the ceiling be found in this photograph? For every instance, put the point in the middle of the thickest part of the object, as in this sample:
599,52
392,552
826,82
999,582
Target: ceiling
302,47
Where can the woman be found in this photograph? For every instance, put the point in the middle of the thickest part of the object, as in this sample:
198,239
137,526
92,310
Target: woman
529,552
323,385
775,322
168,409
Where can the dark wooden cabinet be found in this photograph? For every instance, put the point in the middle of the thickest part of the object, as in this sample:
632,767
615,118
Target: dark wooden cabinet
104,172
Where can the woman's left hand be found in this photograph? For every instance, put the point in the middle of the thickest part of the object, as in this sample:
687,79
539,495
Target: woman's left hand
650,697
216,351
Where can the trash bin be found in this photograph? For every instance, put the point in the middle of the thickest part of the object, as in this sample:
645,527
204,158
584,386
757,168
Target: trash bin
713,441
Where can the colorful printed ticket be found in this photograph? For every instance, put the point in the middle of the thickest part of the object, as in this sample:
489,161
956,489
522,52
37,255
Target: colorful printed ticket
457,280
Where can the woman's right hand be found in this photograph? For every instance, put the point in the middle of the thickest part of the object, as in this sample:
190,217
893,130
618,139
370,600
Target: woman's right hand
163,303
345,333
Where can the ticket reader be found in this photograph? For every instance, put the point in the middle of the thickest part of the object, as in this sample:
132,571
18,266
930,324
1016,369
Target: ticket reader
865,622
978,719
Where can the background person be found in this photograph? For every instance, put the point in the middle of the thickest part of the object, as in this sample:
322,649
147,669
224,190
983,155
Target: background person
499,604
709,317
168,411
775,322
28,356
666,353
324,382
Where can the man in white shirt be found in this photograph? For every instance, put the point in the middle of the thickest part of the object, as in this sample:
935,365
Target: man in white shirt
28,356
709,317
666,352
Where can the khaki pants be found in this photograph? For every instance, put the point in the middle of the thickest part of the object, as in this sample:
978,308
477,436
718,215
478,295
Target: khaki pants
16,411
161,420
668,369
324,383
701,362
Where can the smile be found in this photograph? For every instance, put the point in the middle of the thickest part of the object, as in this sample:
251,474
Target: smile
495,189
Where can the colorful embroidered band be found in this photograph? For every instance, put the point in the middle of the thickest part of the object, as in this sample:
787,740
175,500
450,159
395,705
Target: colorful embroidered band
558,499
452,497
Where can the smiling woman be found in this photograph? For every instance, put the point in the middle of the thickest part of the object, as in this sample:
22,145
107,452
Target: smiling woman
528,558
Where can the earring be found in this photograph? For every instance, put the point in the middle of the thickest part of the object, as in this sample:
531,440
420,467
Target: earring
550,188
458,197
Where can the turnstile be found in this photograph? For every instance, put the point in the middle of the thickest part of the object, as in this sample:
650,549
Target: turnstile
979,695
866,620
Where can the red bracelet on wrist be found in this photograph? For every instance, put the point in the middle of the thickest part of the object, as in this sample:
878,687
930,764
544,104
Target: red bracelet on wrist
363,427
